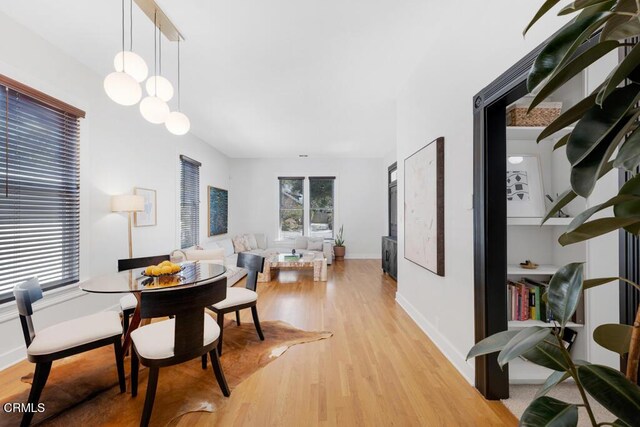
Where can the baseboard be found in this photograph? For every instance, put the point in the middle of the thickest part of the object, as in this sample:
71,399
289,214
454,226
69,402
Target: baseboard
363,256
18,354
444,345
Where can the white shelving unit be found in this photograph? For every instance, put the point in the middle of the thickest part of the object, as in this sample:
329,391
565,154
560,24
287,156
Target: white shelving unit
529,239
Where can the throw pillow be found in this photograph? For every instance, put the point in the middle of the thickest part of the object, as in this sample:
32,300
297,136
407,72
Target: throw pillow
227,245
300,242
315,243
205,255
240,244
251,239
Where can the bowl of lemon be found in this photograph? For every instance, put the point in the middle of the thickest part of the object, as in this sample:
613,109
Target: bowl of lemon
165,268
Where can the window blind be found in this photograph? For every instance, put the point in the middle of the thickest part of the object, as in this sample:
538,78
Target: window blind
39,192
189,202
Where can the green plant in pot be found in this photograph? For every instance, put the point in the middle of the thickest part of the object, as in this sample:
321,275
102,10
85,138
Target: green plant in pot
338,245
606,135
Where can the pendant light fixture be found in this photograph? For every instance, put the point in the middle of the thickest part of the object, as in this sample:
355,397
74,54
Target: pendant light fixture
135,65
120,86
153,108
177,122
157,85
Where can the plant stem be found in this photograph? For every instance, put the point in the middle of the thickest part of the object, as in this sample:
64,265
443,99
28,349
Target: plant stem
629,282
634,350
574,373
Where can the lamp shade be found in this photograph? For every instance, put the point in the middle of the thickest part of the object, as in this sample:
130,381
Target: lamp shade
127,203
122,88
177,123
154,109
132,64
162,85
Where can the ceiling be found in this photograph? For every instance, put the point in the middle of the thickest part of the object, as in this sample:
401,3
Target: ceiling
260,78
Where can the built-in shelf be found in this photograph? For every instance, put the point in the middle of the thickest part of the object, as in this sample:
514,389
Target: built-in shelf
531,133
537,221
542,270
515,324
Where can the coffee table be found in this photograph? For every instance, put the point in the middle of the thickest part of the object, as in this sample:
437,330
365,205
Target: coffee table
317,261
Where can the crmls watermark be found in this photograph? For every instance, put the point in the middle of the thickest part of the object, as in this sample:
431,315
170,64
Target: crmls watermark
23,407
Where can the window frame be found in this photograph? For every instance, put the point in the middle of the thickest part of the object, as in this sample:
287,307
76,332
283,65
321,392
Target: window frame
195,227
304,201
53,119
333,204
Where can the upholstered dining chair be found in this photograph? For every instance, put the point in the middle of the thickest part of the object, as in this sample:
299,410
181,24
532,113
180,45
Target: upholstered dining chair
63,339
129,302
239,298
190,334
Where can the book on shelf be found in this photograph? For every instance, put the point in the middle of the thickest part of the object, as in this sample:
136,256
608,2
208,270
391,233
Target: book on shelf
525,302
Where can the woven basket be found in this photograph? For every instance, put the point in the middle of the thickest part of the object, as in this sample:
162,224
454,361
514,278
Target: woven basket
542,115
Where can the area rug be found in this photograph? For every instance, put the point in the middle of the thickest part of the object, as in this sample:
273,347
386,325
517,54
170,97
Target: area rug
83,390
521,395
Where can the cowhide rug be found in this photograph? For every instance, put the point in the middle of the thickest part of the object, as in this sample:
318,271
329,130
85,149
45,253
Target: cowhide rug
83,389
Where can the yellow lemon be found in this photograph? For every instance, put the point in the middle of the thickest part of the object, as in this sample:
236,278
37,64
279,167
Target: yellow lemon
164,263
175,268
166,269
149,270
156,271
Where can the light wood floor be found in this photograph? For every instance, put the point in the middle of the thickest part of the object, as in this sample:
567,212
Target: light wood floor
378,369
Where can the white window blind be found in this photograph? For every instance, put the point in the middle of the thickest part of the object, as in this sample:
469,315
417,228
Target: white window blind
189,201
39,192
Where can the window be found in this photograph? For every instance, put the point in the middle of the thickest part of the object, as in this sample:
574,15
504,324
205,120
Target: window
321,207
39,189
291,207
189,202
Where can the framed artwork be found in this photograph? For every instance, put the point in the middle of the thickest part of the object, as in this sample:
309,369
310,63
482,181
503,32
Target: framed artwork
424,207
148,217
525,194
218,203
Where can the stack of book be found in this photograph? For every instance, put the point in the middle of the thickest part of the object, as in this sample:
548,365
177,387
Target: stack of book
525,302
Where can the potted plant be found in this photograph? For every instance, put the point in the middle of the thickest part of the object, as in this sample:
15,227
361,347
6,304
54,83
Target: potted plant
605,135
338,247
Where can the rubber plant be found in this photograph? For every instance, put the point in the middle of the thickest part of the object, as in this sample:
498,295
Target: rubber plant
605,135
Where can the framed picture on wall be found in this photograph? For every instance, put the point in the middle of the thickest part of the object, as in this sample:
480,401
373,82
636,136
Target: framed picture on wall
218,205
424,207
525,194
148,217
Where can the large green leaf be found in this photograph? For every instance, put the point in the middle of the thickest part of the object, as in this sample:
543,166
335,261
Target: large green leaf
548,4
571,69
579,5
568,196
592,283
557,51
614,337
561,142
495,342
522,342
621,26
565,289
553,380
628,156
548,355
546,411
621,72
613,391
570,116
585,215
596,228
630,209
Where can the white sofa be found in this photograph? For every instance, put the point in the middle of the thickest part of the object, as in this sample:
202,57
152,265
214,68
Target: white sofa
223,252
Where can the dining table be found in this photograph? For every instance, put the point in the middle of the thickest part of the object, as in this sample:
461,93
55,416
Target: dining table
135,282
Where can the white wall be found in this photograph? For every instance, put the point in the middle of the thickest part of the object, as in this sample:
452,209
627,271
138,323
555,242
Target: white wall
467,51
119,150
360,204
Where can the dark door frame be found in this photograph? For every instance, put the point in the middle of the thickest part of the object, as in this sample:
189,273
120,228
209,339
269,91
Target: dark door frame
490,214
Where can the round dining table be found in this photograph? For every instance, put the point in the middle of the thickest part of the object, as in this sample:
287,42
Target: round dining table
133,281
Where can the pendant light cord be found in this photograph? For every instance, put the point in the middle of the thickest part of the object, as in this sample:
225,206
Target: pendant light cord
123,36
179,109
155,53
131,25
160,48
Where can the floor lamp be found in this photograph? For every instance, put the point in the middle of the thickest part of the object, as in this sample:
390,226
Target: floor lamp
128,203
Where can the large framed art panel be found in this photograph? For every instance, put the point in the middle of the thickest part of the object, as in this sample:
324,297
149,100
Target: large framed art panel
218,206
424,207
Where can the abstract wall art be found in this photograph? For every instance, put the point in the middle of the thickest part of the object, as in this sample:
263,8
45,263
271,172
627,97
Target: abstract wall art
148,216
525,195
424,207
218,204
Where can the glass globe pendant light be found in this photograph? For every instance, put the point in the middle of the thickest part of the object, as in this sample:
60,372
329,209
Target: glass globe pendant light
153,108
177,122
136,67
121,87
157,85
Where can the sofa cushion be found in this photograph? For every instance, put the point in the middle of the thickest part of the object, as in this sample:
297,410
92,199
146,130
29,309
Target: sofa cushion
315,243
227,245
261,240
240,244
300,242
209,245
205,255
251,239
